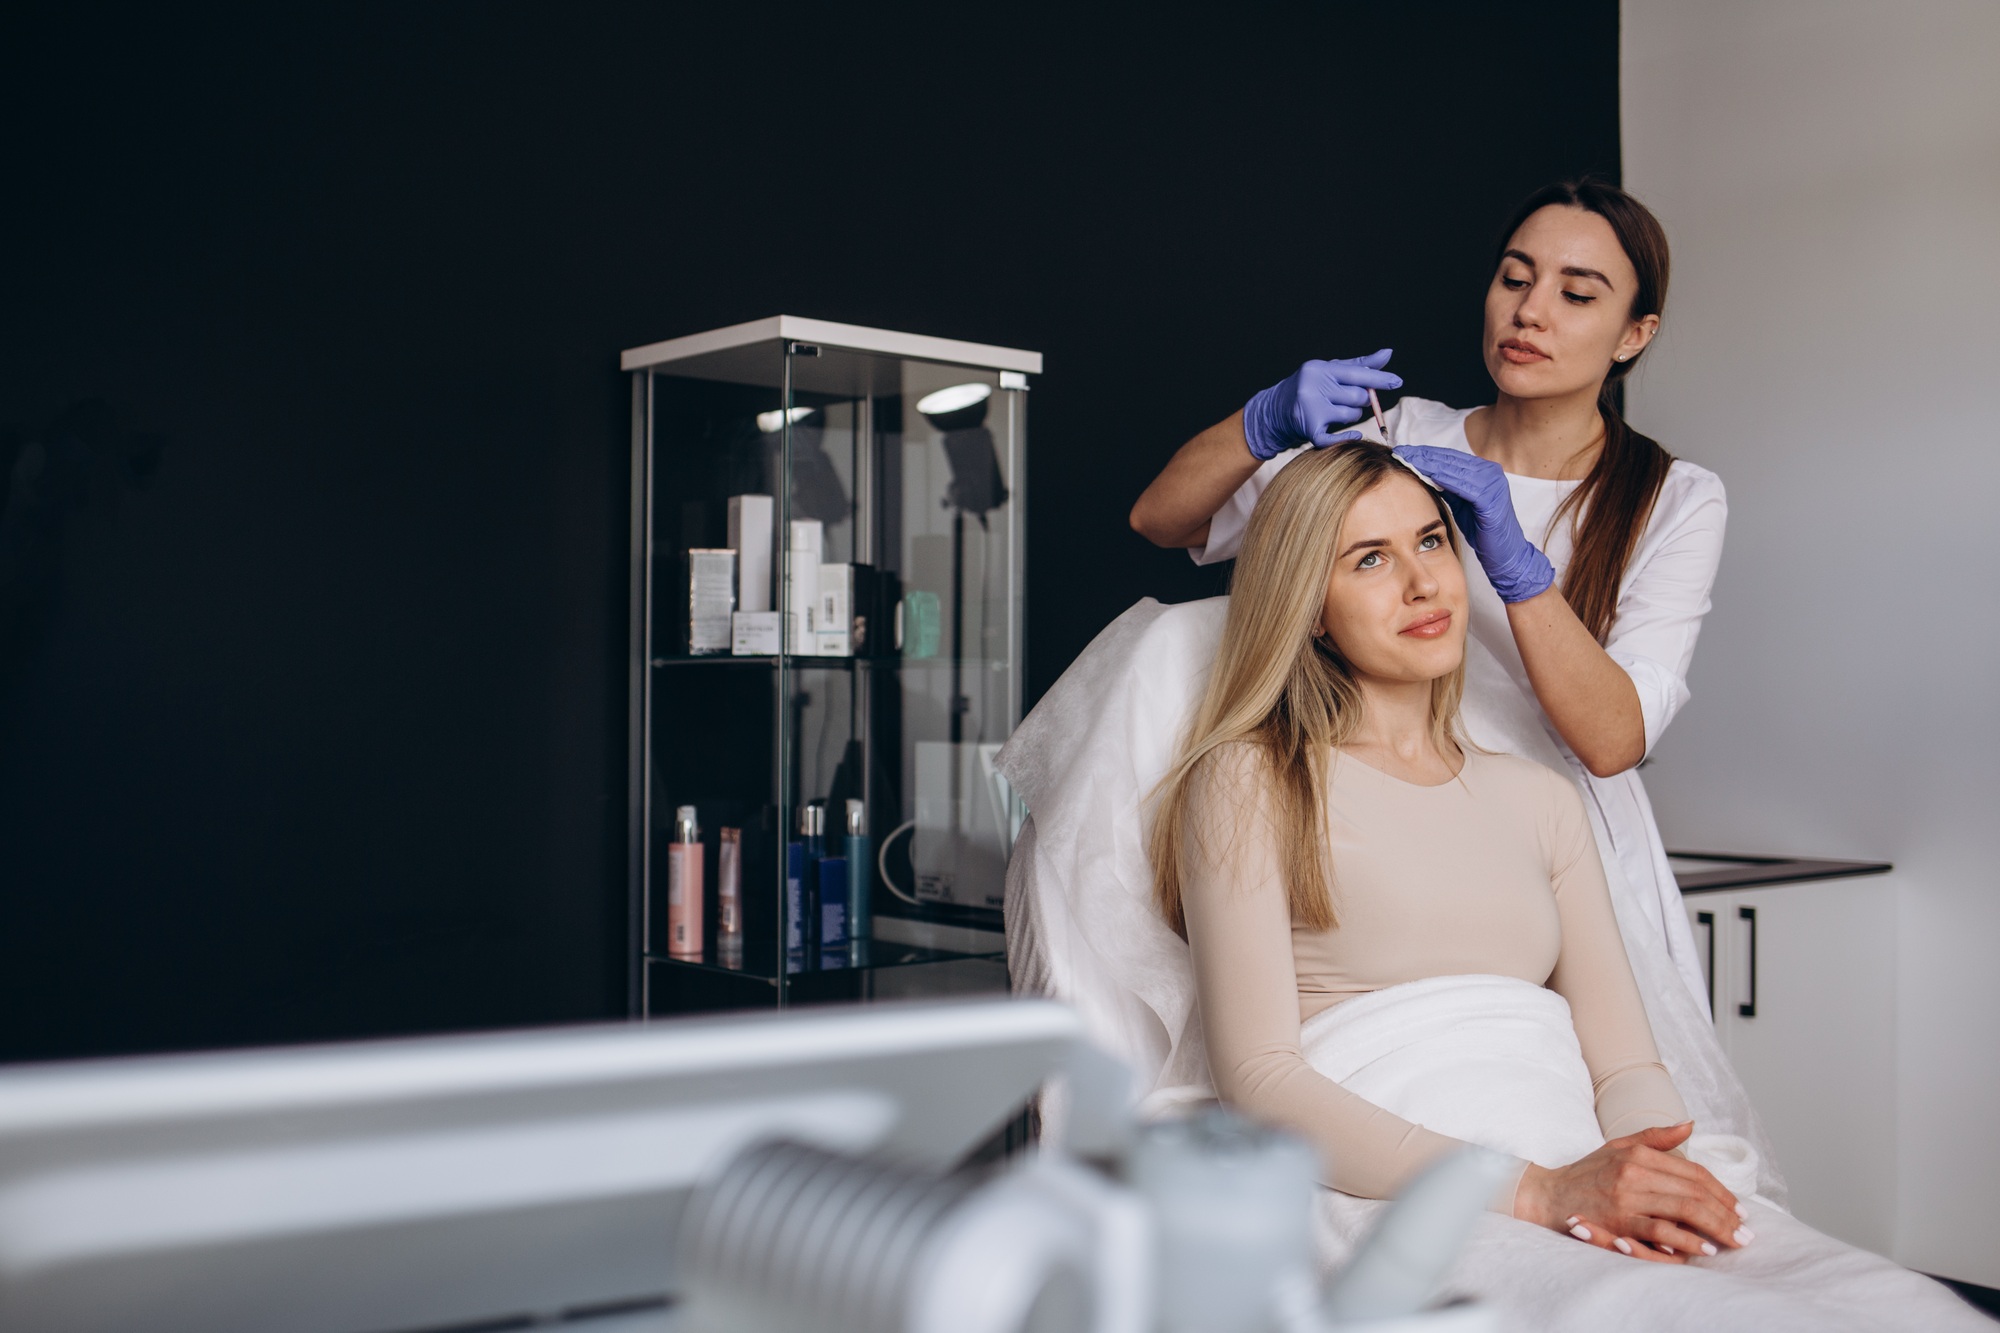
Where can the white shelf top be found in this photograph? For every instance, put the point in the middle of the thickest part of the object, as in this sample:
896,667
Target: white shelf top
826,333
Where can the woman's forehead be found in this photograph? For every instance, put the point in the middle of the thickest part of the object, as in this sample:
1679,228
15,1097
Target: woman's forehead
1558,236
1395,506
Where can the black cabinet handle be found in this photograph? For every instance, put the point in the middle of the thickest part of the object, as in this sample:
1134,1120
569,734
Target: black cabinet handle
1750,914
1707,919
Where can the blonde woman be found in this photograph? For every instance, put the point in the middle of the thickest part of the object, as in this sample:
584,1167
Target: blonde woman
1327,846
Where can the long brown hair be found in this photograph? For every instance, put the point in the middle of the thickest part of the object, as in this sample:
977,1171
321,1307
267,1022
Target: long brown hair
1609,510
1278,699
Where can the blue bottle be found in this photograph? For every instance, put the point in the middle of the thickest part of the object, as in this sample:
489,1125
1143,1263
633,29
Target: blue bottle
801,888
833,912
795,906
812,832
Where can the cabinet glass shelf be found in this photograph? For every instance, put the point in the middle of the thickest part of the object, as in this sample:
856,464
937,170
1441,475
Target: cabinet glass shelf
870,956
819,663
862,492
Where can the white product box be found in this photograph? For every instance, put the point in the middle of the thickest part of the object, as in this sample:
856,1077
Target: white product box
755,633
834,626
808,534
711,600
801,604
750,522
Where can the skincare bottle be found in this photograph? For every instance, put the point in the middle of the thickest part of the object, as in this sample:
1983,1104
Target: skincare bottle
832,911
750,538
729,898
684,887
801,905
805,548
860,883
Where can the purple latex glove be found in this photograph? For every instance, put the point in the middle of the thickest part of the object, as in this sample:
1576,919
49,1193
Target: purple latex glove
1477,492
1311,404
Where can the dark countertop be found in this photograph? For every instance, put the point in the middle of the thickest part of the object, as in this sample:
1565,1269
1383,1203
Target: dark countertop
1710,872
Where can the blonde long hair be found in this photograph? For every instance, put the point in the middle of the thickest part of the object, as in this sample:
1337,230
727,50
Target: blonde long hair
1281,690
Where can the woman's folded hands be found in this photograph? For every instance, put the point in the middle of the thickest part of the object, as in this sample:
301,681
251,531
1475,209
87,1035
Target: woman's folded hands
1635,1196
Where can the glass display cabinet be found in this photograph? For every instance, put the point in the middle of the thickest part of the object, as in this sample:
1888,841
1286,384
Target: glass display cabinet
826,631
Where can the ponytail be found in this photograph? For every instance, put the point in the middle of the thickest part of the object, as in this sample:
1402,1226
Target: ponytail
1608,512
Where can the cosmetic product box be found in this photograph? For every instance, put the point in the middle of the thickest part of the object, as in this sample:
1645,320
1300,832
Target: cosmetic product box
711,601
918,624
756,633
834,626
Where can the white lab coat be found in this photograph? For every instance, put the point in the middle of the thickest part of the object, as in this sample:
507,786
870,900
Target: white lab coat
1661,602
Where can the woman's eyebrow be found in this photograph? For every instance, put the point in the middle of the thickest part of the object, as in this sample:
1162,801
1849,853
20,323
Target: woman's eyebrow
1570,271
1425,530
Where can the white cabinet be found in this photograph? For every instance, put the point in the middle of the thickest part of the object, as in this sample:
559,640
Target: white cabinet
1803,981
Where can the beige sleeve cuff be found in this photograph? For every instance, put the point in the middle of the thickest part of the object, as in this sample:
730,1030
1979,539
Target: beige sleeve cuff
1503,1198
1638,1097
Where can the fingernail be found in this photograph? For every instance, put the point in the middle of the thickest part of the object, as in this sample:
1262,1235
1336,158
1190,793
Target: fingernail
1708,1249
1744,1235
1742,1210
1580,1232
1624,1246
1666,1249
1571,1221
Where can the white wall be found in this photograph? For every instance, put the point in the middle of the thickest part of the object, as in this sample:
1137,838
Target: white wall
1829,175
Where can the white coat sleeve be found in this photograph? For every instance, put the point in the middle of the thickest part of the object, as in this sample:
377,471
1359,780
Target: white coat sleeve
1666,595
1225,530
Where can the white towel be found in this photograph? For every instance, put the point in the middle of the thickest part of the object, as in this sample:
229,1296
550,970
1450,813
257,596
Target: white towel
1490,1060
1495,1061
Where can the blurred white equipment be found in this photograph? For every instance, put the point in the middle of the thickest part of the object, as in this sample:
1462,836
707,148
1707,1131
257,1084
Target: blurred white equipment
1399,1266
784,1173
1232,1207
458,1180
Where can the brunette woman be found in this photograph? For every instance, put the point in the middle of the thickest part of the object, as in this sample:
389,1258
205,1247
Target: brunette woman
1596,548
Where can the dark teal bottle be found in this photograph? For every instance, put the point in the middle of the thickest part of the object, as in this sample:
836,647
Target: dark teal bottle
860,881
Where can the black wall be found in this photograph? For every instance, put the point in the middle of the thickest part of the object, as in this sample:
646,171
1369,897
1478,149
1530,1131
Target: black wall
312,540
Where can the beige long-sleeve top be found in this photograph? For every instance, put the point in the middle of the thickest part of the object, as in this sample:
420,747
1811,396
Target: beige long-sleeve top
1494,873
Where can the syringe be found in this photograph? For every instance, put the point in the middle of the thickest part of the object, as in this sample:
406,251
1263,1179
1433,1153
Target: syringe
1375,405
